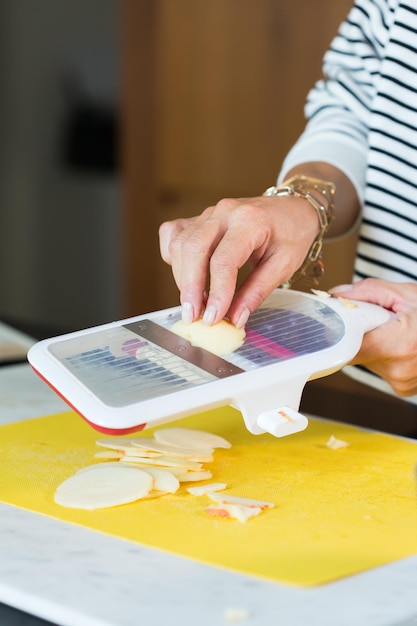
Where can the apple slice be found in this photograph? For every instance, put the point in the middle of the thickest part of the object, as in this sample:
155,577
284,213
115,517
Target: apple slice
125,446
104,487
94,466
203,490
116,443
175,471
164,461
224,498
109,454
188,477
190,438
163,480
152,445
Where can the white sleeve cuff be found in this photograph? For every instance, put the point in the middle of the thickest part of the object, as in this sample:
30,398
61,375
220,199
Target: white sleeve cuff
340,151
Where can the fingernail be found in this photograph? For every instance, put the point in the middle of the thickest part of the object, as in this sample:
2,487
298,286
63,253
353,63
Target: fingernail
340,288
187,312
209,315
243,318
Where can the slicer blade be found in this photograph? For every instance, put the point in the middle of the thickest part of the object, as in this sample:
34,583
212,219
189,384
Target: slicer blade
180,347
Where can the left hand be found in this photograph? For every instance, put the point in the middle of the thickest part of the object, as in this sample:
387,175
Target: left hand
391,349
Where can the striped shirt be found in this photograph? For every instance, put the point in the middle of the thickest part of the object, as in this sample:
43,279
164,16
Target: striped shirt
362,118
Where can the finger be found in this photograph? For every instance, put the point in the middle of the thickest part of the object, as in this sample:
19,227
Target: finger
191,253
265,277
232,252
370,290
172,237
168,231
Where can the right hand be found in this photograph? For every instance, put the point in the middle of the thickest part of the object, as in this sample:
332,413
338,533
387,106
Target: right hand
273,233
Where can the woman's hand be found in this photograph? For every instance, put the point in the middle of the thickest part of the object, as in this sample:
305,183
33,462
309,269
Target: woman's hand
273,233
391,349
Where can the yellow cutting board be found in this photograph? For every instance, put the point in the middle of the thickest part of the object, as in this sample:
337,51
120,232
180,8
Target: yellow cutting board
337,512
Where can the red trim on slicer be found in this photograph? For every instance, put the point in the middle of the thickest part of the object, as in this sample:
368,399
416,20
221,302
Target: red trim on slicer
101,429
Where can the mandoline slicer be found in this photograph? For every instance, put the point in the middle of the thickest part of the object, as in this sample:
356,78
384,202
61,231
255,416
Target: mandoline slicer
136,373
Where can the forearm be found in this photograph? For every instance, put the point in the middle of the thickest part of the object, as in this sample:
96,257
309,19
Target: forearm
347,205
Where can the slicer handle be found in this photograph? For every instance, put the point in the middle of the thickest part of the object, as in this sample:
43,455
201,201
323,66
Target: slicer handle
365,315
282,421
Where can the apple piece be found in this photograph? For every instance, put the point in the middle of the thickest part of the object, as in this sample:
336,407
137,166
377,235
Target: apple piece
237,511
335,444
321,294
221,339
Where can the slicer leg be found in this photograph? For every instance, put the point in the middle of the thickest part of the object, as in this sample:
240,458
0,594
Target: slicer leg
273,409
283,421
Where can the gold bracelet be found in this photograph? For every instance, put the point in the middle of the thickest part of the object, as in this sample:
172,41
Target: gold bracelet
312,267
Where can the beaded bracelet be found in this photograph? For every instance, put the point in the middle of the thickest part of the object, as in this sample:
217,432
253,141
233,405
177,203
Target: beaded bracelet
312,267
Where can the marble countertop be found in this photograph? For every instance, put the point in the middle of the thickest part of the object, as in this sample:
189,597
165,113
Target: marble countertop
73,576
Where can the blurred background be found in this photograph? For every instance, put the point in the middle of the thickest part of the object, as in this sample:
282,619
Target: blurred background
60,194
116,115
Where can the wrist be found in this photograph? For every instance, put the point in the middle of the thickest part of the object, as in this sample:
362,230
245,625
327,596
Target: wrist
320,195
